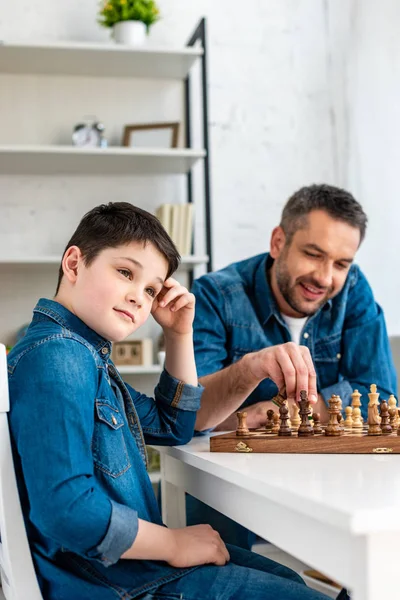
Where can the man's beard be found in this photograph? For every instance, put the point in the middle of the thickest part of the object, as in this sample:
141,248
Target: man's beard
288,290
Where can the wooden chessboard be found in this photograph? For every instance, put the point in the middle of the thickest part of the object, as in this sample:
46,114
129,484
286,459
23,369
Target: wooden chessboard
260,440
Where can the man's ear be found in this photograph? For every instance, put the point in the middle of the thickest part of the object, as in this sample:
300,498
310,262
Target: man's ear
278,240
71,262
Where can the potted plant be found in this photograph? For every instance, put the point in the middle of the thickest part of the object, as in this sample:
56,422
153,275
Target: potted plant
130,20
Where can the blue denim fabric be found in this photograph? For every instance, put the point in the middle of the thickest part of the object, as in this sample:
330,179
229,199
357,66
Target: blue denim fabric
237,314
79,436
246,576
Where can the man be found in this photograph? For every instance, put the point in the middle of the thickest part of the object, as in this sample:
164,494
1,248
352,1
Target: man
301,317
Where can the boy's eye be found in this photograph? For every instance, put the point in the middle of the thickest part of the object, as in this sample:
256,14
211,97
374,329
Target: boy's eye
152,292
126,273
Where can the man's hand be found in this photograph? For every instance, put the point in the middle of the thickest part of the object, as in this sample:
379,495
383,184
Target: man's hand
173,308
288,365
197,545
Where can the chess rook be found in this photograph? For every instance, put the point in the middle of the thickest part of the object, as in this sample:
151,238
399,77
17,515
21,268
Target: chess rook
242,428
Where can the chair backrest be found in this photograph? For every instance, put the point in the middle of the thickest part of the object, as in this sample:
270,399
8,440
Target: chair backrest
17,572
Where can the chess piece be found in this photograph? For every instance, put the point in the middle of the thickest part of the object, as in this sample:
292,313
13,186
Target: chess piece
317,424
394,419
373,416
357,418
305,428
242,428
385,424
275,427
270,420
340,416
333,428
284,428
348,422
294,417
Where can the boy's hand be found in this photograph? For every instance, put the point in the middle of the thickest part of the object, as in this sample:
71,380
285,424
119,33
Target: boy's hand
173,308
197,545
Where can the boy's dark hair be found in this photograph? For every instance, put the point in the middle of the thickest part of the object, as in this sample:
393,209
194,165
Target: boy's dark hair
338,203
117,223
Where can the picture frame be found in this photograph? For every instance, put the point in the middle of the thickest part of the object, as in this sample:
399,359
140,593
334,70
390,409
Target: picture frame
151,135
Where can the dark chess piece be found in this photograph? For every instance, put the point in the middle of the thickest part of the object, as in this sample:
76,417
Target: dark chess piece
317,423
305,428
242,428
270,420
284,428
385,418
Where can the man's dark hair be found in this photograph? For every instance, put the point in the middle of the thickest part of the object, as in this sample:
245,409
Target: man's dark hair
117,223
336,202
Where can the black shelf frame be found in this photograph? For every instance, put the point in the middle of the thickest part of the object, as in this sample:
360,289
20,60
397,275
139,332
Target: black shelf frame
199,36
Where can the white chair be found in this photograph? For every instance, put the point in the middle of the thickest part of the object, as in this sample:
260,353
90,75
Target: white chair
17,572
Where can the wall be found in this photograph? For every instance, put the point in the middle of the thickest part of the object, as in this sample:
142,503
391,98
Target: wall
301,91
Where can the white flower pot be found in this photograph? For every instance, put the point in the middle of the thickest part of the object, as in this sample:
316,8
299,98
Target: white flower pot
131,33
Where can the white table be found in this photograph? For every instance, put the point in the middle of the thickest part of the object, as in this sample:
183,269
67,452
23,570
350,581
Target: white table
337,513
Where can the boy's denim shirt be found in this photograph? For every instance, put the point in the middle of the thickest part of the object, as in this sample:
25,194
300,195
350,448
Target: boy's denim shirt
236,313
79,435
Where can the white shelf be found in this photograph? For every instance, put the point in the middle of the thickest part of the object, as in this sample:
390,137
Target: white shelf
97,60
59,160
138,370
187,262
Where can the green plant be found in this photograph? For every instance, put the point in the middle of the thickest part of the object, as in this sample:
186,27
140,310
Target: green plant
114,11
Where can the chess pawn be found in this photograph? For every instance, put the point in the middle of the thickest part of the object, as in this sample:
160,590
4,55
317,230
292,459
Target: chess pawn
385,424
317,424
295,417
305,428
348,422
356,403
270,420
284,428
394,419
275,428
333,428
242,428
373,416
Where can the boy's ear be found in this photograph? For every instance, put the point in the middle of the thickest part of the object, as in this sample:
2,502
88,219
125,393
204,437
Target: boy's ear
278,239
70,263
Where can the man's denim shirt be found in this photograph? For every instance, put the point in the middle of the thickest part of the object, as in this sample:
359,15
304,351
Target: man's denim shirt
236,313
79,437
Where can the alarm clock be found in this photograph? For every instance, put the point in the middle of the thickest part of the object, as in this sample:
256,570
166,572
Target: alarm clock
89,135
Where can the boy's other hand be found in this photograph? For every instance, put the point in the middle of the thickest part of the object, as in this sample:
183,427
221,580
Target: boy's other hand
197,545
173,308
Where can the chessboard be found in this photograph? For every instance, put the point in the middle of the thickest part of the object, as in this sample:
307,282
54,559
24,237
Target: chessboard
260,440
306,435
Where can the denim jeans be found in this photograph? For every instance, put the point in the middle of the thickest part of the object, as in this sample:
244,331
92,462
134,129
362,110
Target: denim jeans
247,576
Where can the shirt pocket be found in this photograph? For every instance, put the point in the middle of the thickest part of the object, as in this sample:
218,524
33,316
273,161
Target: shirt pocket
110,454
327,355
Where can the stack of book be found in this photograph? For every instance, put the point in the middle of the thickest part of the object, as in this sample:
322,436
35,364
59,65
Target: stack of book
177,220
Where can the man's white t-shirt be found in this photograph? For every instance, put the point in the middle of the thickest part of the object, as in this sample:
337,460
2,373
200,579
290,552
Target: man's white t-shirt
295,326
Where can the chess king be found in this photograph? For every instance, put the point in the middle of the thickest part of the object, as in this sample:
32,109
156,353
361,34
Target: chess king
301,317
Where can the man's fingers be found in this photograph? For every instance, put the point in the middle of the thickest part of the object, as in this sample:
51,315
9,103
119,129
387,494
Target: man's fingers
312,375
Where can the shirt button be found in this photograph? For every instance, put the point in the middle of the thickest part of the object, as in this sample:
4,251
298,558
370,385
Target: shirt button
114,420
306,336
104,350
338,355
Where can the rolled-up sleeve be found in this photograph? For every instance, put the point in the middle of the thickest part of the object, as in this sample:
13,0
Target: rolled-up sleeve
52,423
169,417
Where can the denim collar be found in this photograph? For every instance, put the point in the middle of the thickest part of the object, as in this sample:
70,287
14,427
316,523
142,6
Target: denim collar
67,319
264,298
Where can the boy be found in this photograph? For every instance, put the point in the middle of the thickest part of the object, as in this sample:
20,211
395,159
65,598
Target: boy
79,431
